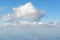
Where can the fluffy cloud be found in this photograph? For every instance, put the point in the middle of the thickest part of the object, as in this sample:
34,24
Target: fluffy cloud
24,15
29,12
26,12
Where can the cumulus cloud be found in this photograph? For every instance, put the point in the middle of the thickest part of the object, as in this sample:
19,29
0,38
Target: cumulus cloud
24,15
27,12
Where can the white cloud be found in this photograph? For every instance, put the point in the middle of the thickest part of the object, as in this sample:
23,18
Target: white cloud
27,12
24,15
8,18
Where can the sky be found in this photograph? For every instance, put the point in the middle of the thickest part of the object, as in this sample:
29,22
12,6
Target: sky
29,20
51,7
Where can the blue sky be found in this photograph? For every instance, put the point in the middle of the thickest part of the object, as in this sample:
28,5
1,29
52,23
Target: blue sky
51,7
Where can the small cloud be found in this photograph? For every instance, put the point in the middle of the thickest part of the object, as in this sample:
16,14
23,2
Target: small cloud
7,18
